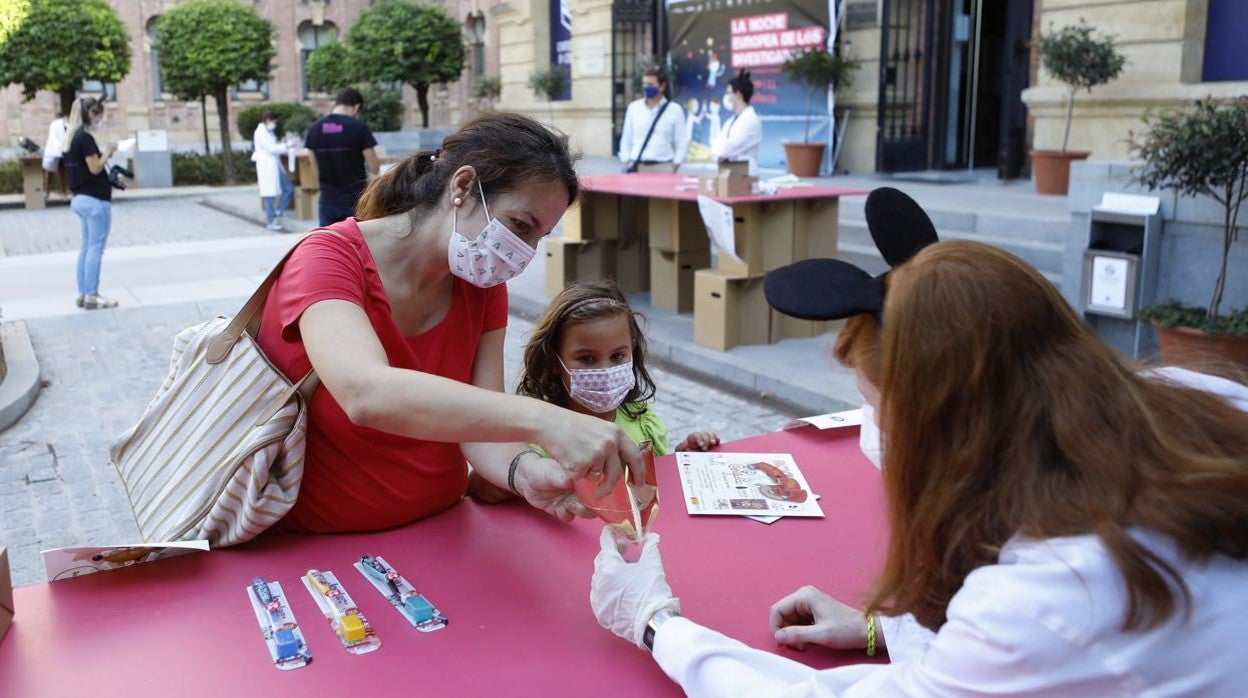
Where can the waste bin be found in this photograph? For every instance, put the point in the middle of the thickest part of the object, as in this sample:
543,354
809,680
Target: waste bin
153,164
1120,267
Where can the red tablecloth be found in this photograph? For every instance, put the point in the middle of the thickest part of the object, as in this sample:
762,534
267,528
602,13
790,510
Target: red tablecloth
662,185
513,582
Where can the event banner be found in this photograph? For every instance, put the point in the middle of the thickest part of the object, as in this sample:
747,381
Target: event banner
710,40
561,42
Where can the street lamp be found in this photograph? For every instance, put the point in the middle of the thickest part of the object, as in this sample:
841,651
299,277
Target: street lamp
318,11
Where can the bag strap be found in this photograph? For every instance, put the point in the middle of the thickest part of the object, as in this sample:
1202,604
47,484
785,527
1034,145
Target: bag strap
650,133
248,320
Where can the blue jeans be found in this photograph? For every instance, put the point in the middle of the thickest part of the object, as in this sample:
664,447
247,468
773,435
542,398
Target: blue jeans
96,216
288,191
332,213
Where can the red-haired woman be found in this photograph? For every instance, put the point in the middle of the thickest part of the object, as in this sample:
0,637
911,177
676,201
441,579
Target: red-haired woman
1061,524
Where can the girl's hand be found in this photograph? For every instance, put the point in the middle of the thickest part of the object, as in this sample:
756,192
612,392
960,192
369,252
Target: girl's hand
589,447
698,441
811,616
544,484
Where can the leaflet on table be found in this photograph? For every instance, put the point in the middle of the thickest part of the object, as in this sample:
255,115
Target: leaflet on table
745,484
719,224
66,563
831,420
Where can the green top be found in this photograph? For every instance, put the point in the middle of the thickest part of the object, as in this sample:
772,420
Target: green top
646,427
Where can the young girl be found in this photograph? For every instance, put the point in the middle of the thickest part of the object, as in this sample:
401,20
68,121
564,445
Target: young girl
588,354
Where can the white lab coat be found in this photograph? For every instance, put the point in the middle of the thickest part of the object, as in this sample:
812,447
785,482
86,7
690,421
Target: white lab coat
739,139
1045,620
54,146
267,154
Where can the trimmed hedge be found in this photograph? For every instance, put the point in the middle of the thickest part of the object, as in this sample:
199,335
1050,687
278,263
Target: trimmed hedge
196,168
383,109
10,177
291,116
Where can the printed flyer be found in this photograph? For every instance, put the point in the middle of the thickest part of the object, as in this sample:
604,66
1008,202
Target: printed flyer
745,484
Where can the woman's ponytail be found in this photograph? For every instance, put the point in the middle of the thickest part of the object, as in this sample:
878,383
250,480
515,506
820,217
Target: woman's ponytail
399,189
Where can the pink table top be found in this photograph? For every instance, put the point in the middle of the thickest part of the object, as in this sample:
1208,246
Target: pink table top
662,185
513,581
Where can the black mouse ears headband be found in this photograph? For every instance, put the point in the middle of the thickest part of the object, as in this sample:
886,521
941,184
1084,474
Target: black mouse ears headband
832,289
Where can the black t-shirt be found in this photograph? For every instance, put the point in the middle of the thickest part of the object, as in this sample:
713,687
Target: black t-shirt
339,143
81,181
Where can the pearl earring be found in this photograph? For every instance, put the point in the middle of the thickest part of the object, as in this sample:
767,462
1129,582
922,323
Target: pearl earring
458,202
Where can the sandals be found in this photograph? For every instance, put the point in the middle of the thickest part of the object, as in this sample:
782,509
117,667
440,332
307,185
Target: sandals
97,302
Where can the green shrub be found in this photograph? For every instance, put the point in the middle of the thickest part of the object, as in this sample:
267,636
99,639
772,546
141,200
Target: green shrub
383,109
10,177
292,117
191,168
1176,314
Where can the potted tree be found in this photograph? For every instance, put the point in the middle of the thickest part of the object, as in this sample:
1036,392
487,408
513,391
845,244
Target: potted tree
549,83
486,90
815,70
1201,152
1079,61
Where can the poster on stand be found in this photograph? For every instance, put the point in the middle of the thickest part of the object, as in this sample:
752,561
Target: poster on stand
710,40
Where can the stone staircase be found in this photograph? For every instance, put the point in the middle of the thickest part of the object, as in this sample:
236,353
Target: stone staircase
1039,240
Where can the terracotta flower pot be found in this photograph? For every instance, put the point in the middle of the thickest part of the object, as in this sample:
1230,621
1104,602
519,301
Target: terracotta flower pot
1190,346
804,158
1051,169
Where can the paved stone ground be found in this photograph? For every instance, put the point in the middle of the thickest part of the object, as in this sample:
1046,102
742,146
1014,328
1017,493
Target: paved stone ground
57,487
148,222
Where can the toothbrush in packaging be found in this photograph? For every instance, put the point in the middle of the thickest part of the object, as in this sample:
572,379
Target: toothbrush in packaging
402,595
277,623
351,627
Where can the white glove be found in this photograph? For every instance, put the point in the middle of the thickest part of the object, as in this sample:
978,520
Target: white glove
626,595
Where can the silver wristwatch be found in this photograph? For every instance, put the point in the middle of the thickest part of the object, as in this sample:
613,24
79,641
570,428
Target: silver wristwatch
647,637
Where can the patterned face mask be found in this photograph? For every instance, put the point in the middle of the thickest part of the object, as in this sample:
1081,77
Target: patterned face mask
495,256
600,389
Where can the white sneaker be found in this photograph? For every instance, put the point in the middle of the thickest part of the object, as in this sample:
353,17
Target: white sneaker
276,226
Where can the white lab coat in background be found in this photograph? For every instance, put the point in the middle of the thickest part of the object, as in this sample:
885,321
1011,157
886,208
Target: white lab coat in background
267,154
1045,620
739,138
54,146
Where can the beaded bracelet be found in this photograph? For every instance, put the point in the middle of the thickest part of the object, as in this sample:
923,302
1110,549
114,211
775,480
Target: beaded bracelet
511,471
871,635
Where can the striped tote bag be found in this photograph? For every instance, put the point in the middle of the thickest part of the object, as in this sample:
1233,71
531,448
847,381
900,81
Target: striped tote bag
218,453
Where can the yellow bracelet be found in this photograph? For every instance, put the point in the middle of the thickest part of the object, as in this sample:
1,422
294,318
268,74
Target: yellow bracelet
871,635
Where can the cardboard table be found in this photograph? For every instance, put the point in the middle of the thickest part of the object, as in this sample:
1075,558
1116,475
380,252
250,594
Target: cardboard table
513,581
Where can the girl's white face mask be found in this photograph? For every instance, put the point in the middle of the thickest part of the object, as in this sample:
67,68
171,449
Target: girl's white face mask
495,256
869,437
600,389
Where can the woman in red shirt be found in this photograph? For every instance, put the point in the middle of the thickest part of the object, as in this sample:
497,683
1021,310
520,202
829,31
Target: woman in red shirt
403,311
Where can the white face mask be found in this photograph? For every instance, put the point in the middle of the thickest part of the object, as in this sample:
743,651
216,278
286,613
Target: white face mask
600,389
272,127
495,256
729,103
869,437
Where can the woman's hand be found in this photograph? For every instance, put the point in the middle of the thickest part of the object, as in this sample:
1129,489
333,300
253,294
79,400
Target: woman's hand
544,484
626,595
698,441
589,447
811,616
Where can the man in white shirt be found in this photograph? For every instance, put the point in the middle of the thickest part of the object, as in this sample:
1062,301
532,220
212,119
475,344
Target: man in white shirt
740,137
654,138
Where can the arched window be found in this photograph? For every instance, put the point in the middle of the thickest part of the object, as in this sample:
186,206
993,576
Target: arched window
312,37
476,40
158,83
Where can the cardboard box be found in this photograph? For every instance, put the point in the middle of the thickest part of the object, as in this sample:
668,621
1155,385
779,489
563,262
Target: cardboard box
785,327
729,310
765,237
568,261
815,228
6,593
676,226
726,184
595,217
671,278
634,223
632,266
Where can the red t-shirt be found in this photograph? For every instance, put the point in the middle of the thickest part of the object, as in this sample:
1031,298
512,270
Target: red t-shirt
356,478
